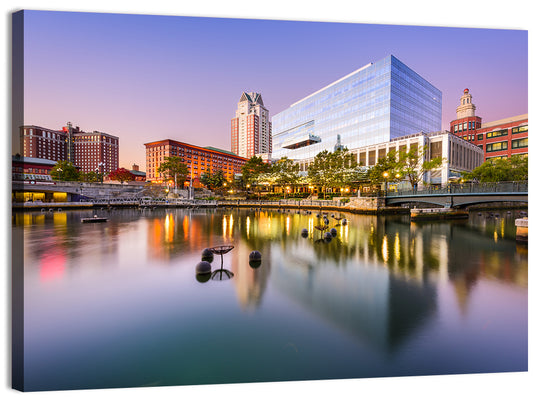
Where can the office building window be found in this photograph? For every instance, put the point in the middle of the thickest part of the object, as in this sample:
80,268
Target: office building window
497,133
520,143
502,145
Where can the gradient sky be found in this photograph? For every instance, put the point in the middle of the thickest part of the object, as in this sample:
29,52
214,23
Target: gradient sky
145,78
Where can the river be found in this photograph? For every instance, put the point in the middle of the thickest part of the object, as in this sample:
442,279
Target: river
118,304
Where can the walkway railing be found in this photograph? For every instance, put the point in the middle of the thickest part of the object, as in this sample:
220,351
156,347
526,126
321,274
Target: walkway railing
282,202
469,188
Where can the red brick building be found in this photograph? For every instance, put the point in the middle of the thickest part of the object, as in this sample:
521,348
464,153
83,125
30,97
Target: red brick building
90,152
198,159
31,169
43,143
498,139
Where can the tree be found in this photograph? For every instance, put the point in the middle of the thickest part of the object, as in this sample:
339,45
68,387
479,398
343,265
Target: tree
412,165
389,166
253,169
334,169
213,180
65,171
320,172
121,175
90,177
507,169
174,169
285,172
345,170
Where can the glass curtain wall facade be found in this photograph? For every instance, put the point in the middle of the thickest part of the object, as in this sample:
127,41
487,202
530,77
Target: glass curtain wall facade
371,105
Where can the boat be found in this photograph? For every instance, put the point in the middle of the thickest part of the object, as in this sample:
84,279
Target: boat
94,219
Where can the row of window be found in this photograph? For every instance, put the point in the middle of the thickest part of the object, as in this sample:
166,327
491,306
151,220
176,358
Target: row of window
502,145
496,133
465,126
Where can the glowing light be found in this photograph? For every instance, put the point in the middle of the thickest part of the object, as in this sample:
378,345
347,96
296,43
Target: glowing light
52,266
224,226
288,224
397,246
385,249
186,227
169,228
230,232
247,226
495,236
60,218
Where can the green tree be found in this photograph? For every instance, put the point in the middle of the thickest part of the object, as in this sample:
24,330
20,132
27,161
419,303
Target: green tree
334,169
320,172
174,169
507,169
345,170
411,164
253,169
90,177
65,171
121,175
387,168
285,173
213,180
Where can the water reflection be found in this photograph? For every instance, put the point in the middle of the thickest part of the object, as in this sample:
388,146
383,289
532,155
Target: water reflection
381,281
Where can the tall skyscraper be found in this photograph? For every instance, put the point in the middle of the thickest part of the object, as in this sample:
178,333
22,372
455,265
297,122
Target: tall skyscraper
374,104
251,130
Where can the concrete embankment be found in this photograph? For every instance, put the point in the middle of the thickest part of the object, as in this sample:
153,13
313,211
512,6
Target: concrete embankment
521,229
437,214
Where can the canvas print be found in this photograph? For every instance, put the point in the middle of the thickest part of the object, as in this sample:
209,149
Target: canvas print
201,200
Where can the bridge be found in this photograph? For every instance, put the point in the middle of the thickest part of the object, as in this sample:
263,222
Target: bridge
460,195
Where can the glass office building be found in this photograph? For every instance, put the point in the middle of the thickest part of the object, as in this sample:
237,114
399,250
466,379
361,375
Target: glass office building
374,104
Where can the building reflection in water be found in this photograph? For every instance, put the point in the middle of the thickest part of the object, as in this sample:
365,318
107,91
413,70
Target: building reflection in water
389,269
61,241
376,279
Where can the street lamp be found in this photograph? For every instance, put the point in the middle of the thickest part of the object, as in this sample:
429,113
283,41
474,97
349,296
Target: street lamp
101,166
386,176
60,173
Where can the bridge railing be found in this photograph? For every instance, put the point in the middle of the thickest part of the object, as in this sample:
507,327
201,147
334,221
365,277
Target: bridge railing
469,188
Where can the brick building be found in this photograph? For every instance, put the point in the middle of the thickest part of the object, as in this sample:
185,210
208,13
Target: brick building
497,139
90,152
198,159
31,169
43,143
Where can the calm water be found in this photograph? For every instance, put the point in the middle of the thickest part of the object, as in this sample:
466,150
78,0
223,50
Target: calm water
118,304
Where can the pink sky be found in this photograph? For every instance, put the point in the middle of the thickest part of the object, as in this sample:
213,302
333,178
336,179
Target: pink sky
146,78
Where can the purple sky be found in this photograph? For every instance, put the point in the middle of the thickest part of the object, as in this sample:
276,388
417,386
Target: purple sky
145,78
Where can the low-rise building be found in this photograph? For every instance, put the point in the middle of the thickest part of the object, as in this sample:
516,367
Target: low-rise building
458,154
31,169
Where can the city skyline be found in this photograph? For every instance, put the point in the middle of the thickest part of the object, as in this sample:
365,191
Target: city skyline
144,78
